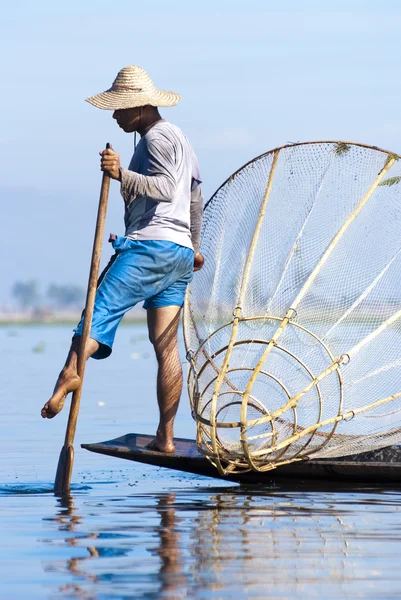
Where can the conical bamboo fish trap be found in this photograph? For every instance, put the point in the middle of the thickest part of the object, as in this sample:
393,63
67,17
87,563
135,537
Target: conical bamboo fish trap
293,326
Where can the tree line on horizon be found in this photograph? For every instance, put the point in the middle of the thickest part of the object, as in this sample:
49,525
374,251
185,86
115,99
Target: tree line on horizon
28,296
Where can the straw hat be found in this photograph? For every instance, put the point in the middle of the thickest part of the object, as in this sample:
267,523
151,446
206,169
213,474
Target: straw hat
133,87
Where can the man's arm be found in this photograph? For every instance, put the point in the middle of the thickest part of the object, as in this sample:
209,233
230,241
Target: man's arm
196,217
196,225
159,185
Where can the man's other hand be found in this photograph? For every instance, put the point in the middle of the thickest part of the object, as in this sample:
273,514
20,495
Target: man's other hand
110,162
198,261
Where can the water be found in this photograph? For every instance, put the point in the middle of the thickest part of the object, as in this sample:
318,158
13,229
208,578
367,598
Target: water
132,531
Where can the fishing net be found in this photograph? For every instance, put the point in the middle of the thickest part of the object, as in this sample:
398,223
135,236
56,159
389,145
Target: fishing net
293,326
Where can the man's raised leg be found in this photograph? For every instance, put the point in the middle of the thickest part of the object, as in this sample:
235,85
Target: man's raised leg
68,380
163,325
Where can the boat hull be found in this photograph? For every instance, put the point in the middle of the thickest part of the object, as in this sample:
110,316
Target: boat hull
377,467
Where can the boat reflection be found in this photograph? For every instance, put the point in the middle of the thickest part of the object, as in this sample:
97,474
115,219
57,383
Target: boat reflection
193,543
279,547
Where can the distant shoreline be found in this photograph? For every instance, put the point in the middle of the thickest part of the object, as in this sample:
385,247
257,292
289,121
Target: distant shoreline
28,322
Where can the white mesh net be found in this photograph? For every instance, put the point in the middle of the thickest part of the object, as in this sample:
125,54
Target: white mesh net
293,326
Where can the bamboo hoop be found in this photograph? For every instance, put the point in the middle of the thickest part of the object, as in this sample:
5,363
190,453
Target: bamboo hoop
350,414
344,359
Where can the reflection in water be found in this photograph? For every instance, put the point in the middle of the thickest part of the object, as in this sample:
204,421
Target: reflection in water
282,546
172,575
206,543
226,542
68,520
209,543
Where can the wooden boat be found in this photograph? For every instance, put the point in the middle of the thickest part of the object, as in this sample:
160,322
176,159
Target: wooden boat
378,466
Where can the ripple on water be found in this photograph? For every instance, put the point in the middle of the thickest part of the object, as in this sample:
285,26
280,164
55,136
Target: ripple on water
36,488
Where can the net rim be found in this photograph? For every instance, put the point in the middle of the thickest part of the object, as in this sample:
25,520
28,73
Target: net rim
294,145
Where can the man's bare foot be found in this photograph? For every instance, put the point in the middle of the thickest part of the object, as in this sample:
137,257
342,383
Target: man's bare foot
160,444
67,382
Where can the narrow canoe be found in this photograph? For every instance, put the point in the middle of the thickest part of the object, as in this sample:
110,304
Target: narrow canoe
379,466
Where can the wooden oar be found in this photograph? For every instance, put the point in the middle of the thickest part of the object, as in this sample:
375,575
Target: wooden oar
66,460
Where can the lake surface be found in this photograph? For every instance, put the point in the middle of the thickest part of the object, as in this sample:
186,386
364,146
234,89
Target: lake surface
132,531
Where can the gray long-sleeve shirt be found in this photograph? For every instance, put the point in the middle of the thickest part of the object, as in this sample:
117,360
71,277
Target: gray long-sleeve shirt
161,189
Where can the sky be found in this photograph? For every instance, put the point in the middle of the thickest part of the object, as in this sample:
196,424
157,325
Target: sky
252,75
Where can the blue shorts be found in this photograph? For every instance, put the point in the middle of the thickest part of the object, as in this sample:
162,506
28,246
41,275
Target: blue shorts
157,272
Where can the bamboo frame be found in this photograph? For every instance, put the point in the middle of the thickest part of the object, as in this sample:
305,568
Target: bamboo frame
238,309
255,422
208,438
334,366
207,422
258,454
350,414
292,309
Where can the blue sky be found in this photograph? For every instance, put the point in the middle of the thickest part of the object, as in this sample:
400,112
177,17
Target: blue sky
252,75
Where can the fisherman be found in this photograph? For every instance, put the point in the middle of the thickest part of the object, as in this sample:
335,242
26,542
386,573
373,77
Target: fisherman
155,260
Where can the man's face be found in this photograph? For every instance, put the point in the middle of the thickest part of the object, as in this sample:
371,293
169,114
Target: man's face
128,118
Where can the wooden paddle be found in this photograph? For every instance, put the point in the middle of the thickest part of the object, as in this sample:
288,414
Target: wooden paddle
66,460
